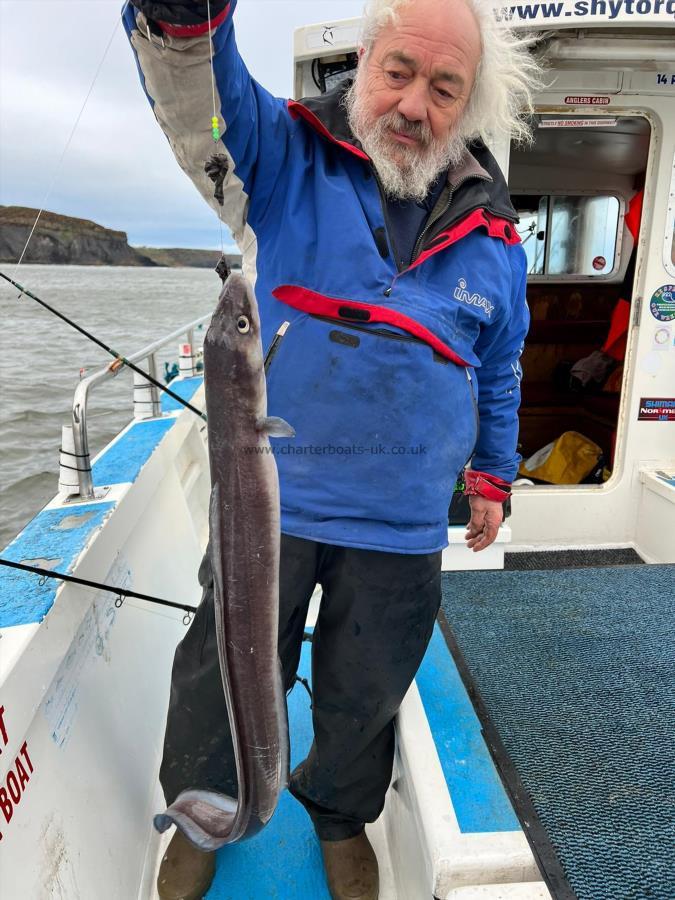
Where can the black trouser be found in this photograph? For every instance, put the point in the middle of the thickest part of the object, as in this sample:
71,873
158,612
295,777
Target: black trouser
375,621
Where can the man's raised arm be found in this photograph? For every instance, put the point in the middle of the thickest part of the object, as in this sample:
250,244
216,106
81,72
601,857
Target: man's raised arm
172,44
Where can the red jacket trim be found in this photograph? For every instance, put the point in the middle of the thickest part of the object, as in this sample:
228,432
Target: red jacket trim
297,110
479,218
320,305
485,485
182,31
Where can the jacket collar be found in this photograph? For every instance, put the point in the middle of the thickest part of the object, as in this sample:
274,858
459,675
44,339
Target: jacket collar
468,167
477,182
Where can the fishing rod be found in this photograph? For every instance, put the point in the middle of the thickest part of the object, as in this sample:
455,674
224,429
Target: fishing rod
122,593
118,357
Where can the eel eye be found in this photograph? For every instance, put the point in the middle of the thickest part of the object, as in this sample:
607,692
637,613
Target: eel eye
243,325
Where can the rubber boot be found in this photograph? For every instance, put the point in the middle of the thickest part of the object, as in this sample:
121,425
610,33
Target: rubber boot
185,872
351,868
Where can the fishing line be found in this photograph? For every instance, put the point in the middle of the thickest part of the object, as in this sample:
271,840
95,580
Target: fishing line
70,137
215,126
120,360
111,589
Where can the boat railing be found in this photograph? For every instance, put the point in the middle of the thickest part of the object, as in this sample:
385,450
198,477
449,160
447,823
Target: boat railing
148,355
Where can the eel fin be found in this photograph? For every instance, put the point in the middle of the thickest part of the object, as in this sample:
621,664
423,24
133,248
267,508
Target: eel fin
273,426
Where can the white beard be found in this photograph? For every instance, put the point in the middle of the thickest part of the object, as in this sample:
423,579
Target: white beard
410,176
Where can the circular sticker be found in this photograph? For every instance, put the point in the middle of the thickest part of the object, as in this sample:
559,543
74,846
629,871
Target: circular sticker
599,263
662,304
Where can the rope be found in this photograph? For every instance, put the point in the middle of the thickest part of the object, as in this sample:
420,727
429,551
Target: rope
120,592
70,138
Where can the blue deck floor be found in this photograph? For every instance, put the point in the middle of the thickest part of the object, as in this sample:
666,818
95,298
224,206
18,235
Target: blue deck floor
283,862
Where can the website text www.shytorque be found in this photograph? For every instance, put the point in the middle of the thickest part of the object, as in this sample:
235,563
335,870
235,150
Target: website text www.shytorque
611,9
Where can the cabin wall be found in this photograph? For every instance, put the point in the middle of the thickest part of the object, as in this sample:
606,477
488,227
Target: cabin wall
546,178
580,515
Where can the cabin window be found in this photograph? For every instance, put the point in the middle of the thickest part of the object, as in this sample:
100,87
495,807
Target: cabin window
568,234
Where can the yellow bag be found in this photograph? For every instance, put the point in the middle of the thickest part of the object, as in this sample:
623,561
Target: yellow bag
567,460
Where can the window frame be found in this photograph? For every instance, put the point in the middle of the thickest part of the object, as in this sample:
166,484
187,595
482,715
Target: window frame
615,273
669,239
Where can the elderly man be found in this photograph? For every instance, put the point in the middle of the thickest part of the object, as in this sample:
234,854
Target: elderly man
391,284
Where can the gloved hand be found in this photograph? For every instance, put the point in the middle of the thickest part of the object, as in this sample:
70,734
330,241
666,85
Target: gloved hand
180,12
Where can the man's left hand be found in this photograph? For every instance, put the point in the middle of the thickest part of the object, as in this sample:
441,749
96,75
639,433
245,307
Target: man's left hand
486,517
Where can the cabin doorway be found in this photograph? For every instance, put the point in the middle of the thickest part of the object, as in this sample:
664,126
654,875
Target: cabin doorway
578,191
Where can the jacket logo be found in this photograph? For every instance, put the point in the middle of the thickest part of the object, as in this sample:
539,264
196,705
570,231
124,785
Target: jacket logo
462,294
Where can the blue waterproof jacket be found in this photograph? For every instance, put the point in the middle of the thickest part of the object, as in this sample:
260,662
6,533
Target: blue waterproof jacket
392,379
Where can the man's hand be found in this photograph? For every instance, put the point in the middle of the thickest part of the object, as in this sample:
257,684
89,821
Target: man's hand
486,517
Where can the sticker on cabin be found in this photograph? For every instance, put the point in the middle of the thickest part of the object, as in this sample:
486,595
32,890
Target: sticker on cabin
599,263
605,122
662,338
657,409
662,304
587,101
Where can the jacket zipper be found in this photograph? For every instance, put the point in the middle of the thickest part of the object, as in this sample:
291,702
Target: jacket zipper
439,213
385,216
380,332
476,414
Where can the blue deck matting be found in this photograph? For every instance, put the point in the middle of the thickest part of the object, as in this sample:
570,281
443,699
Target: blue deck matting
124,458
573,676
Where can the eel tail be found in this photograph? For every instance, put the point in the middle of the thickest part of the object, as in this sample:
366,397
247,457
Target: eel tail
206,818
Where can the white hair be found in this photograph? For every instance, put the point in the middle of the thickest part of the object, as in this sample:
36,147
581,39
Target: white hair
507,77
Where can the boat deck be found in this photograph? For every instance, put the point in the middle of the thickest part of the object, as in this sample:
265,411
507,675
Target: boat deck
85,685
573,675
284,860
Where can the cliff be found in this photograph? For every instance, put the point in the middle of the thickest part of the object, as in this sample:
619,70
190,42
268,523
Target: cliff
64,240
178,256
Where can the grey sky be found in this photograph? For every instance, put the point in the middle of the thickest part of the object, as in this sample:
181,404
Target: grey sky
119,170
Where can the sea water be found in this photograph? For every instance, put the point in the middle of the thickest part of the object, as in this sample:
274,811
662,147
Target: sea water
42,359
